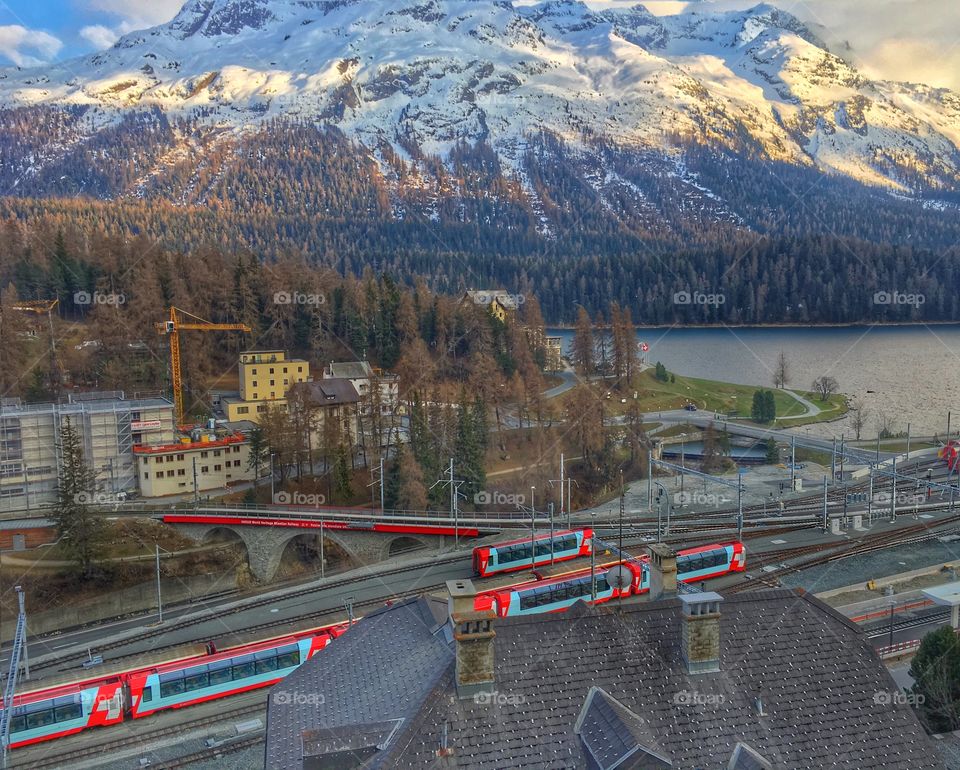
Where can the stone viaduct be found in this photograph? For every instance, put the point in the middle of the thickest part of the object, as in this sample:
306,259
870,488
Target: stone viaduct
266,545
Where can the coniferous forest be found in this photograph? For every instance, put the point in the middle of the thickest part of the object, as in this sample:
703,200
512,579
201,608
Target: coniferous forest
781,243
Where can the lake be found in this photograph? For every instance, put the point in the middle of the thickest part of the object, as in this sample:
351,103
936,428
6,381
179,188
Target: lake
910,373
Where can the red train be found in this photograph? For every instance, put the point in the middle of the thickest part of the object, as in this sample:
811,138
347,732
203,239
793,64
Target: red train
529,552
557,594
55,712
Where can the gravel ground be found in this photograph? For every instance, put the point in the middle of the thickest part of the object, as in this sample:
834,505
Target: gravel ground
860,569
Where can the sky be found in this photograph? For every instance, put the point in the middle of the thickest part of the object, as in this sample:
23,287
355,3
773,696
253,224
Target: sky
917,40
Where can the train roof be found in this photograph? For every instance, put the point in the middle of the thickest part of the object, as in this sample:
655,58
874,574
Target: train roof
536,538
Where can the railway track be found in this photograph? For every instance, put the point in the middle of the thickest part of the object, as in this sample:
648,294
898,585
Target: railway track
916,533
319,617
131,739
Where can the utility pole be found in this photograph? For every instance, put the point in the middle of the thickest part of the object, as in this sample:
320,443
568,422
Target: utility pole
533,528
793,463
454,501
159,596
273,496
561,489
18,649
826,524
833,462
382,506
893,494
550,509
322,560
740,507
196,489
908,441
870,499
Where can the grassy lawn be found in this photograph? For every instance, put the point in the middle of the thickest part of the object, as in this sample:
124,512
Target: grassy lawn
711,396
676,430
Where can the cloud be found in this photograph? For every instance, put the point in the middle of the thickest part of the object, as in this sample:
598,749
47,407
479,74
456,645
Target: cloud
99,36
27,47
139,13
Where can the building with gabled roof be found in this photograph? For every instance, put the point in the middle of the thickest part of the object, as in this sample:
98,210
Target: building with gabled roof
770,679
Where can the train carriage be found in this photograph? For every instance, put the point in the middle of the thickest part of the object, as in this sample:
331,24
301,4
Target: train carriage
60,711
202,678
558,594
527,553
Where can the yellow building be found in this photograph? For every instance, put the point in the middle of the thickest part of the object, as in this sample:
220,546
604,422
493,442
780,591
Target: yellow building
168,469
266,377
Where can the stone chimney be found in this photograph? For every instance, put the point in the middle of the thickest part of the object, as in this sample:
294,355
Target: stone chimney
473,634
700,632
663,572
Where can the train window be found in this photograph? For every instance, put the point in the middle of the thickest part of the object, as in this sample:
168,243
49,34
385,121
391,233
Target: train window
65,713
244,670
195,682
40,719
18,725
266,665
287,659
147,694
171,688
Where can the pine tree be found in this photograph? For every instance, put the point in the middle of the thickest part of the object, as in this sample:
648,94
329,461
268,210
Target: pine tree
770,404
468,458
75,514
343,488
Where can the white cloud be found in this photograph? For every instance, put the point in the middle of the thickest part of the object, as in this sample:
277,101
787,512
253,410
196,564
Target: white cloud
139,13
27,47
99,36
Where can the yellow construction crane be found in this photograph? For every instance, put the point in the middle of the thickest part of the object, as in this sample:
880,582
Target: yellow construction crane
173,328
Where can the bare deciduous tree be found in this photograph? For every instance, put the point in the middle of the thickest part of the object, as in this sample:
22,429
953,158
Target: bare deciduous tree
825,387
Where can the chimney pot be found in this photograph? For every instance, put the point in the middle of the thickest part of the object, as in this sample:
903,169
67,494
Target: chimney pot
700,632
663,572
473,635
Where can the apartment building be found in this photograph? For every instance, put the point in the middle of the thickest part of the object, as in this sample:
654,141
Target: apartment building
200,463
109,426
266,377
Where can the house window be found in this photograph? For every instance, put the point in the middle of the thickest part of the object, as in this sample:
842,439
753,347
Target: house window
216,452
271,370
159,458
181,472
273,394
253,371
203,454
205,469
284,370
236,463
243,410
217,467
159,474
169,474
146,475
180,457
272,383
261,407
236,449
254,396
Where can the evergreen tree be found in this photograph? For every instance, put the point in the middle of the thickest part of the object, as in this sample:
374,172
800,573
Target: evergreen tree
935,670
259,451
770,406
343,488
75,514
468,457
757,408
773,453
660,372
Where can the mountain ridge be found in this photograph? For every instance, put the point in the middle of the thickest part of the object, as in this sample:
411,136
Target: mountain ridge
432,73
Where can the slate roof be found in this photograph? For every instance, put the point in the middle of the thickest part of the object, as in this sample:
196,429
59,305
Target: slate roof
330,392
815,673
378,672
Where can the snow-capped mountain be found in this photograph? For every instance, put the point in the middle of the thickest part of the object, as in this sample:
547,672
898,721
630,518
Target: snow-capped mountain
420,76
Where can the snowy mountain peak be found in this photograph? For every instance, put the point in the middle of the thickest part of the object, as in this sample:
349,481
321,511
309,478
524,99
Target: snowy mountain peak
426,75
